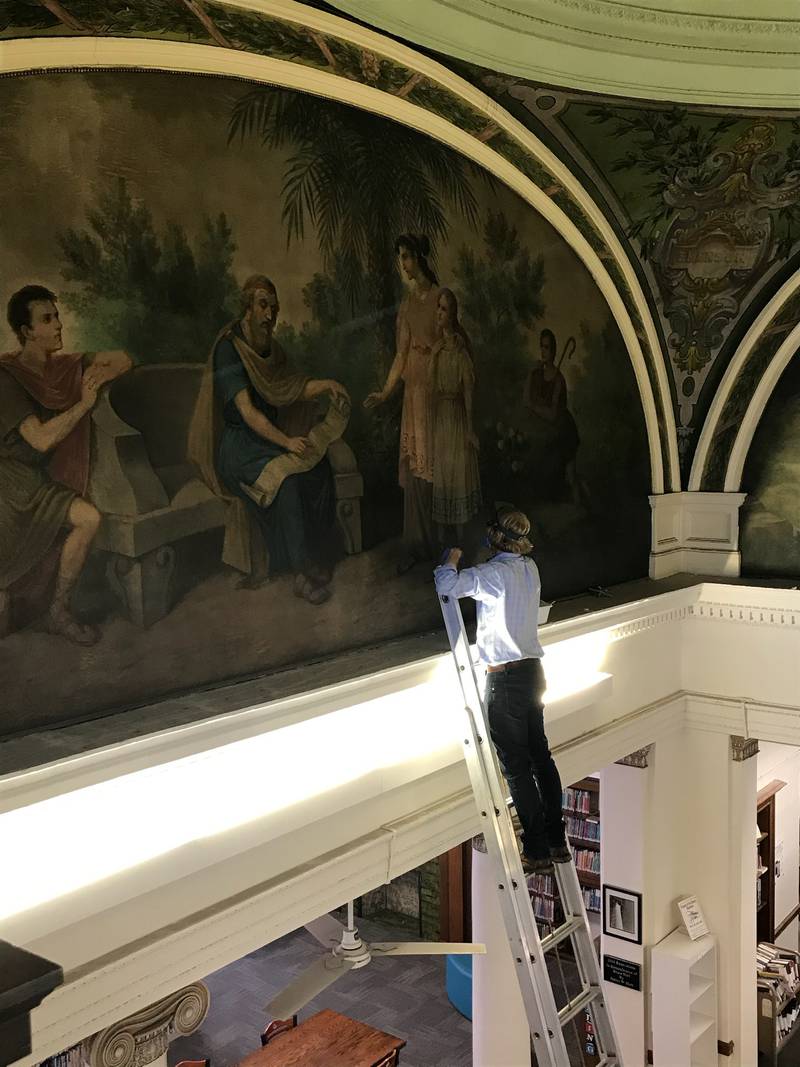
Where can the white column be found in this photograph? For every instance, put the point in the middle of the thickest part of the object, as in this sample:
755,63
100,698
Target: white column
143,1038
623,810
695,533
500,1034
719,778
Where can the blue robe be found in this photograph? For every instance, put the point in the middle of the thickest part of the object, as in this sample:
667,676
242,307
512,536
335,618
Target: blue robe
299,524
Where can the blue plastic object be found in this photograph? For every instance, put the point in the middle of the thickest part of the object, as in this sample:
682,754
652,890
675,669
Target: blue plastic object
458,978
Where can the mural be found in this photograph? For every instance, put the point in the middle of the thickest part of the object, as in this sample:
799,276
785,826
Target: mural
240,412
770,517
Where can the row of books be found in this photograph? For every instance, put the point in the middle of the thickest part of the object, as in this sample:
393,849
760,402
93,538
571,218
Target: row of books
786,1020
587,859
777,971
542,883
547,910
591,899
579,800
588,829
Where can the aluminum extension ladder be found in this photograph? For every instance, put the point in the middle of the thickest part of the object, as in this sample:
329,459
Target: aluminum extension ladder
545,1019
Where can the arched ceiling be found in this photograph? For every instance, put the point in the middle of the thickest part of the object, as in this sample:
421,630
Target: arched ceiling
730,52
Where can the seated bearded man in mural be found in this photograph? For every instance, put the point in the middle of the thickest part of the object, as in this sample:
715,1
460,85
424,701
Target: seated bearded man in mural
252,438
46,523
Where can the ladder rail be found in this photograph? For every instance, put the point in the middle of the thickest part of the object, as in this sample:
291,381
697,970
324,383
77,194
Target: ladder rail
545,1019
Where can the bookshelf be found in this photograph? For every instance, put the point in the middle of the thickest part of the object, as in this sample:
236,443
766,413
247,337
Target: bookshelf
581,808
777,990
765,861
684,1001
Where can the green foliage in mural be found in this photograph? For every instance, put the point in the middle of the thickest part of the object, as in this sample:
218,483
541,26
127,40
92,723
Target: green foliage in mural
658,144
614,456
500,294
357,182
158,295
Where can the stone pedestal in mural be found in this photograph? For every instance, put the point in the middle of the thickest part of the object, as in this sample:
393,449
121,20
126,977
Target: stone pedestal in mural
143,1038
695,533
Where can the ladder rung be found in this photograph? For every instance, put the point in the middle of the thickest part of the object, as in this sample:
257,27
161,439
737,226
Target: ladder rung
567,929
577,1004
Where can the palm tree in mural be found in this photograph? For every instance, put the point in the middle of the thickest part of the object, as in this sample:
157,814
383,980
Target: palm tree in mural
360,181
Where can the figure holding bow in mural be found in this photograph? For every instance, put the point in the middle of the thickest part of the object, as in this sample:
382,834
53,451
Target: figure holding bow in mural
554,430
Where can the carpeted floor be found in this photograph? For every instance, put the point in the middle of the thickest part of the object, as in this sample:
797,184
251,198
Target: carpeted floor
404,996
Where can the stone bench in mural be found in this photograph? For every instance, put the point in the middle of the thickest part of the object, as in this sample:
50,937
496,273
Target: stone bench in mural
149,492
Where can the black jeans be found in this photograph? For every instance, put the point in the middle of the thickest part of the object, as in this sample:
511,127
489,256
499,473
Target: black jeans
516,722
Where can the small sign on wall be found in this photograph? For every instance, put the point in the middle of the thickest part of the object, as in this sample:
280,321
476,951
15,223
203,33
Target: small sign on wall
622,972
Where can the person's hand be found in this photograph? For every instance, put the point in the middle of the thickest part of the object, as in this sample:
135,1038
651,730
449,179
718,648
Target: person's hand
374,399
297,445
89,387
454,557
336,389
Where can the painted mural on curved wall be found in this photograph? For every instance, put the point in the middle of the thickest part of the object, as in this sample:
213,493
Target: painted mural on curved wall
770,517
278,353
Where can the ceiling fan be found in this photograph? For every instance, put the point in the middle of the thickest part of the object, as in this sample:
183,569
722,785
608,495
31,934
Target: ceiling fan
347,952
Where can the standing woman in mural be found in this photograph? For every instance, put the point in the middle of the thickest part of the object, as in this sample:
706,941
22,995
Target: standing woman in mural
555,431
417,333
456,481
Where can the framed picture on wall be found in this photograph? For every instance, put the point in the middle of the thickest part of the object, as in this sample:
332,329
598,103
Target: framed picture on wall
622,914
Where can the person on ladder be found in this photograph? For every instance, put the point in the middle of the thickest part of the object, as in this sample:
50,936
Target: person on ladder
507,589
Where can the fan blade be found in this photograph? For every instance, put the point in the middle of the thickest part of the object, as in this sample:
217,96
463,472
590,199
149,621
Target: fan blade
426,948
326,929
309,984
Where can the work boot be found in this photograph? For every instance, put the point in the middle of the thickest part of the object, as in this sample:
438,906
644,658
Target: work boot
536,864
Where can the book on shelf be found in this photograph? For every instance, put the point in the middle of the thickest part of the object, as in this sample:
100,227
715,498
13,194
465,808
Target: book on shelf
578,800
579,826
777,971
587,859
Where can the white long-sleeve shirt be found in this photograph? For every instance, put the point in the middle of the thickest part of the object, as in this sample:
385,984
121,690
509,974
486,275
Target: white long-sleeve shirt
507,591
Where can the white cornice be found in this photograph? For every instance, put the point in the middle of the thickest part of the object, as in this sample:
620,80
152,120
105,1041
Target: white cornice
689,51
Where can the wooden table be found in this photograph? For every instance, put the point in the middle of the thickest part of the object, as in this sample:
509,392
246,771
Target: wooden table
328,1039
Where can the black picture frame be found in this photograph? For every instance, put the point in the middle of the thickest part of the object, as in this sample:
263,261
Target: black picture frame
622,913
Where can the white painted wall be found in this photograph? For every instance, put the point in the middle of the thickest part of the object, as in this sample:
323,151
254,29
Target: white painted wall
783,762
624,830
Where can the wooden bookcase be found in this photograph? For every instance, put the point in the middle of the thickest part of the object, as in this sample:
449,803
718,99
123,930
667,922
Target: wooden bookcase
765,864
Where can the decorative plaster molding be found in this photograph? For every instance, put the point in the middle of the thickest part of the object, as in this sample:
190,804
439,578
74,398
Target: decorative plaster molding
743,748
749,614
609,46
695,533
745,389
145,1036
639,758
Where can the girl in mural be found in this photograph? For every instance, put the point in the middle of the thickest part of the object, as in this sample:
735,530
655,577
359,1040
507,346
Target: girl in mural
456,481
555,435
417,333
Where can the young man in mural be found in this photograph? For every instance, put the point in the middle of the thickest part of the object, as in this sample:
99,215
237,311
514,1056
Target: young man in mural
253,440
46,523
507,590
417,333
